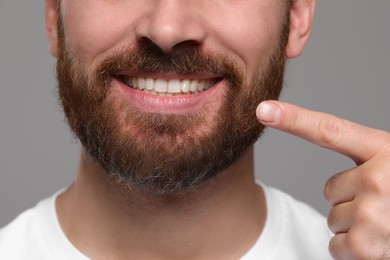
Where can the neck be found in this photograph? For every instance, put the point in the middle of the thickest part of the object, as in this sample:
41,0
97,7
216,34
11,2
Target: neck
221,217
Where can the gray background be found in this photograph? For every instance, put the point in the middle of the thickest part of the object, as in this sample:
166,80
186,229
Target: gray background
345,71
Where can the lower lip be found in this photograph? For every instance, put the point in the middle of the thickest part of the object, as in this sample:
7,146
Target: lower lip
177,104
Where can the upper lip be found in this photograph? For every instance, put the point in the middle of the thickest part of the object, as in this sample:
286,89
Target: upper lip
168,76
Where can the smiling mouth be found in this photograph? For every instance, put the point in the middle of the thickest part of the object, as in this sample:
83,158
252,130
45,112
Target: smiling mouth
169,87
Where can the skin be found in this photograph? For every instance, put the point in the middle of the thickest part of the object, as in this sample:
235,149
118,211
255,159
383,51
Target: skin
360,196
129,223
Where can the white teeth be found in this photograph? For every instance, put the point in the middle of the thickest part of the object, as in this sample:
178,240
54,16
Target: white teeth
149,85
194,86
141,83
170,87
134,81
201,85
185,85
161,86
174,86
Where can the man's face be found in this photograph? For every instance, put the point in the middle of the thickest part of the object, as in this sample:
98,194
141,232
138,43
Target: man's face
163,94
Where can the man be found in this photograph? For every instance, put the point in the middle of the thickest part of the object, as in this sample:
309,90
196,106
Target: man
163,95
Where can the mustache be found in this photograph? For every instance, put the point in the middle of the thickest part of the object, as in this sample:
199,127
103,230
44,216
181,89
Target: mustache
183,59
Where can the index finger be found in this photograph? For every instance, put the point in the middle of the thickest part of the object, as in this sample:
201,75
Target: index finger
358,142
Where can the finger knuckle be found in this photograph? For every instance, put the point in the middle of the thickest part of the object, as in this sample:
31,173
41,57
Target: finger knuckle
330,132
364,213
385,144
358,246
329,189
375,181
334,247
333,220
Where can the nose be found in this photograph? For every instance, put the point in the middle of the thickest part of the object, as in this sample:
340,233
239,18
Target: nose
170,23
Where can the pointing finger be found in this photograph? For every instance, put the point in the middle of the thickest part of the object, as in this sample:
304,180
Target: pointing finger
358,142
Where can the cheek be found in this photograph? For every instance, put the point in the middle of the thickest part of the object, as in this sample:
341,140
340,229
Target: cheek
96,31
251,32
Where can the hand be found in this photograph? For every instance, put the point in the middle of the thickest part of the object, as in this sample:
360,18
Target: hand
360,197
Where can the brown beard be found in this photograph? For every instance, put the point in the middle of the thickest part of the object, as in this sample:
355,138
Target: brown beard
164,153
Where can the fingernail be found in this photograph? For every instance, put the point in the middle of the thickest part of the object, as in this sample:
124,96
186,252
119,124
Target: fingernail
269,112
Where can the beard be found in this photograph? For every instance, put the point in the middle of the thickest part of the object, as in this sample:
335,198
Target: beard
165,153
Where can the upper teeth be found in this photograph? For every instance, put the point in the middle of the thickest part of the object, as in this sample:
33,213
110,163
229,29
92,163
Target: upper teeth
171,86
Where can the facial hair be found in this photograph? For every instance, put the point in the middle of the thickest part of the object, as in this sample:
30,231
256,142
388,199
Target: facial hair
164,153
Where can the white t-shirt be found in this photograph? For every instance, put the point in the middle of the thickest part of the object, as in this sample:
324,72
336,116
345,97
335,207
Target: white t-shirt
292,231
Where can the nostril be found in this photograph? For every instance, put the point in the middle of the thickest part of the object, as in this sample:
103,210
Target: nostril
190,44
150,47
